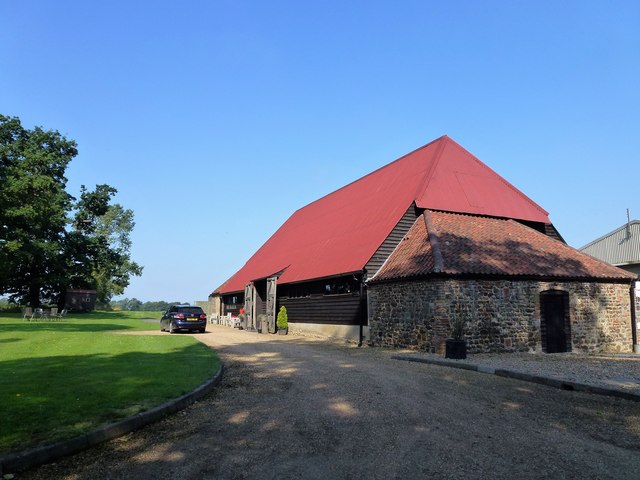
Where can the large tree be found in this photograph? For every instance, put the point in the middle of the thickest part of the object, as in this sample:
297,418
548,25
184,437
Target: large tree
49,241
102,240
33,208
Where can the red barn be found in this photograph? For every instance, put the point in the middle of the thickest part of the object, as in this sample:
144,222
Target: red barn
394,256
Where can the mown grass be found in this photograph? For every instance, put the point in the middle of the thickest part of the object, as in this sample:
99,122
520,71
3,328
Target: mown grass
62,378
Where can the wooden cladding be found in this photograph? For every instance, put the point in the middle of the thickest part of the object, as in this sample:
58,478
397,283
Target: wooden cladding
326,309
552,232
392,241
334,301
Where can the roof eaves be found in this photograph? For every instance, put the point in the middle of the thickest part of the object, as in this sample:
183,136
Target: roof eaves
327,277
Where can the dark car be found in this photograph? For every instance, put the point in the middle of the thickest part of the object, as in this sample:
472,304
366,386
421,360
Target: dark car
183,317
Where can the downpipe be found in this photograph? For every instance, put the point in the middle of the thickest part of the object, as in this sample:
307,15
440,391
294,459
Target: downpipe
363,309
634,320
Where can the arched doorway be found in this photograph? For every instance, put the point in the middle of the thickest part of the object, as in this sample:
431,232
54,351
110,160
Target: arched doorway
555,326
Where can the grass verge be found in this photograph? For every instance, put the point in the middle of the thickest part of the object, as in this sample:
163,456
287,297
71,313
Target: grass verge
59,379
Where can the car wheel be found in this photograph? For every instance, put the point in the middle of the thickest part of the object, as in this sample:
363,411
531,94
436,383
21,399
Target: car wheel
171,330
202,330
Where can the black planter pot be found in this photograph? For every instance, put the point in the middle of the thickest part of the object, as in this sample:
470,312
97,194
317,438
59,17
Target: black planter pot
455,349
283,331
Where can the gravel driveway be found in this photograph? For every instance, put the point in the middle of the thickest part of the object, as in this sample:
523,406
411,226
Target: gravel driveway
293,407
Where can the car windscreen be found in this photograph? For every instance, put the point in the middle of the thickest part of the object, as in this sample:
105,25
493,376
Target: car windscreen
190,310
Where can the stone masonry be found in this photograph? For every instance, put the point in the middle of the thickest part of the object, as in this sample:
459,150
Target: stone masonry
499,315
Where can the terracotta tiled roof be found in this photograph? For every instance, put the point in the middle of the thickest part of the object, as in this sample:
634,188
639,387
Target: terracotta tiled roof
339,233
456,244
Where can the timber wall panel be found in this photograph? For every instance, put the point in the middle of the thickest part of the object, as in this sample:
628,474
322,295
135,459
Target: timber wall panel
392,241
325,309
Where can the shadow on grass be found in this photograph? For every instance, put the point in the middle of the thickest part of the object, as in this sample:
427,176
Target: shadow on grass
73,325
46,399
63,327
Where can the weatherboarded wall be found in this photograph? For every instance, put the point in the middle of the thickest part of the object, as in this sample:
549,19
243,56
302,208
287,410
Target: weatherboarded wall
500,315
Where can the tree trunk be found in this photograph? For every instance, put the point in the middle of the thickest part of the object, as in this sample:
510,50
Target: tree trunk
61,300
34,295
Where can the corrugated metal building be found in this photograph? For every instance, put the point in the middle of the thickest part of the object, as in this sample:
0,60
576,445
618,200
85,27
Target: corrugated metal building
620,247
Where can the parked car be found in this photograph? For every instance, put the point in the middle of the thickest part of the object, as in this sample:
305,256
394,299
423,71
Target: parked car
183,317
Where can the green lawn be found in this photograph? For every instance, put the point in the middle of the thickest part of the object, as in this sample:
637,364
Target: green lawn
61,378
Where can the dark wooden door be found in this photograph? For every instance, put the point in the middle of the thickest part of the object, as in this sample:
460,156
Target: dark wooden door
553,308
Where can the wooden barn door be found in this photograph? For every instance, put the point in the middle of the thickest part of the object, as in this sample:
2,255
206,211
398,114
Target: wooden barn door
555,321
271,304
249,307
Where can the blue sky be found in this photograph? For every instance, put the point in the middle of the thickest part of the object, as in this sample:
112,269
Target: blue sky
215,120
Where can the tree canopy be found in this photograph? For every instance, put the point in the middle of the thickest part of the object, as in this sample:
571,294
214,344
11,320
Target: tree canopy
49,240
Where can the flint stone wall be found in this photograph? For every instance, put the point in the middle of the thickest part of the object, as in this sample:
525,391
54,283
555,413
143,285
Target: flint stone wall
500,315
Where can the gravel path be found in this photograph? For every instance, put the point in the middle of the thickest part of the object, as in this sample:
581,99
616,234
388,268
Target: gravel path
299,408
620,372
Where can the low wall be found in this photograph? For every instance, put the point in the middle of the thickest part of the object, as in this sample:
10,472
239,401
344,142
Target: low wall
501,315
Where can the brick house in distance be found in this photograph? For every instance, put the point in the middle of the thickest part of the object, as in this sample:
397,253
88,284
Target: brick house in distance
393,257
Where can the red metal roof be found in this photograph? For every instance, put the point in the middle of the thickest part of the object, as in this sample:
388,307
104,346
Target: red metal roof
340,232
456,244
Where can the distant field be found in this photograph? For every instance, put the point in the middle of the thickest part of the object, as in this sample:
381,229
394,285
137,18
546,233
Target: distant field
61,378
121,315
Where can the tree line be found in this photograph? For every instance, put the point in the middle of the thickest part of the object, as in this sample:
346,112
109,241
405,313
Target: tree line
51,241
133,304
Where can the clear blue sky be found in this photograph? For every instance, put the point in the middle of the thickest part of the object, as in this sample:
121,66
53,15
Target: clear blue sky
216,120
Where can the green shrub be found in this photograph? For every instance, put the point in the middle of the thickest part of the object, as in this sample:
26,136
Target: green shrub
458,324
283,320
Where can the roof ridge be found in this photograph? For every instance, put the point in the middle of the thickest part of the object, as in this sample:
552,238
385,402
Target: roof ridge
432,237
434,164
500,177
377,170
